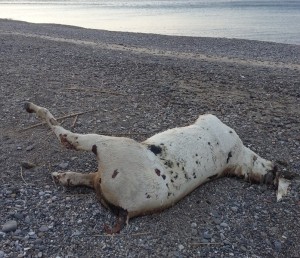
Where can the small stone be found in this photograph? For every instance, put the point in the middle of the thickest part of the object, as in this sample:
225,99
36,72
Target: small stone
194,225
17,232
277,246
41,247
194,232
217,221
206,235
18,215
19,148
76,233
215,214
226,242
43,228
10,225
38,241
222,236
2,254
27,219
31,233
264,234
223,224
234,208
29,148
63,165
243,248
181,247
268,242
40,254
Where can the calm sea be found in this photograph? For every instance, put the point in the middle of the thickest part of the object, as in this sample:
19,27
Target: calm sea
267,20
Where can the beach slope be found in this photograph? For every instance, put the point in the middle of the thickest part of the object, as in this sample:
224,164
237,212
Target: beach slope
135,85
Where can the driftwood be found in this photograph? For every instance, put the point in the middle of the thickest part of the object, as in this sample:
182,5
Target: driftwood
95,90
60,118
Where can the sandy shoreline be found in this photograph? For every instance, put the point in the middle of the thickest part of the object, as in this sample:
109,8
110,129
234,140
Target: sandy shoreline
136,85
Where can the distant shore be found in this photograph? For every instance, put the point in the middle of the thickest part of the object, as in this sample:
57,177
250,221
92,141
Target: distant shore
270,20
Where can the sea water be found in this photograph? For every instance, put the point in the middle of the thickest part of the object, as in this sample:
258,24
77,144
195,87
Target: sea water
265,20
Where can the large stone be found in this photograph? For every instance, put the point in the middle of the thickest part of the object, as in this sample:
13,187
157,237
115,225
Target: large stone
10,225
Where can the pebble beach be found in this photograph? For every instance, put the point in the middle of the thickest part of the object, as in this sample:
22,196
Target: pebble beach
135,85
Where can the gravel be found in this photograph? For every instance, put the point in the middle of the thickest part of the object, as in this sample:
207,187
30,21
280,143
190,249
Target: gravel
135,85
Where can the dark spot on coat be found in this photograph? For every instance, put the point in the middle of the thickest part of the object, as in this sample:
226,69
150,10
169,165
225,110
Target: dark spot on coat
230,132
194,175
164,177
175,177
208,143
115,173
197,162
228,157
169,163
254,158
65,142
172,180
196,154
178,164
167,185
186,176
157,171
169,194
182,168
155,149
27,107
94,149
263,164
148,196
69,182
213,177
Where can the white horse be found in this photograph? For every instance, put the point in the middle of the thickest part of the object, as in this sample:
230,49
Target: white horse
135,178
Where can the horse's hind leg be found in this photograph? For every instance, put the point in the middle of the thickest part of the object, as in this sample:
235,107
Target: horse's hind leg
75,179
67,138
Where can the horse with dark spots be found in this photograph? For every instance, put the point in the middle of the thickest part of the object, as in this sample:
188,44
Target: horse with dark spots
139,178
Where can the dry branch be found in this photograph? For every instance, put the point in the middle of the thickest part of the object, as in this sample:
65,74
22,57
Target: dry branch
60,118
202,243
74,122
97,91
22,176
116,235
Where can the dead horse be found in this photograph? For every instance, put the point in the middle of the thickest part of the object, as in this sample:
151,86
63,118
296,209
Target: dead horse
135,178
